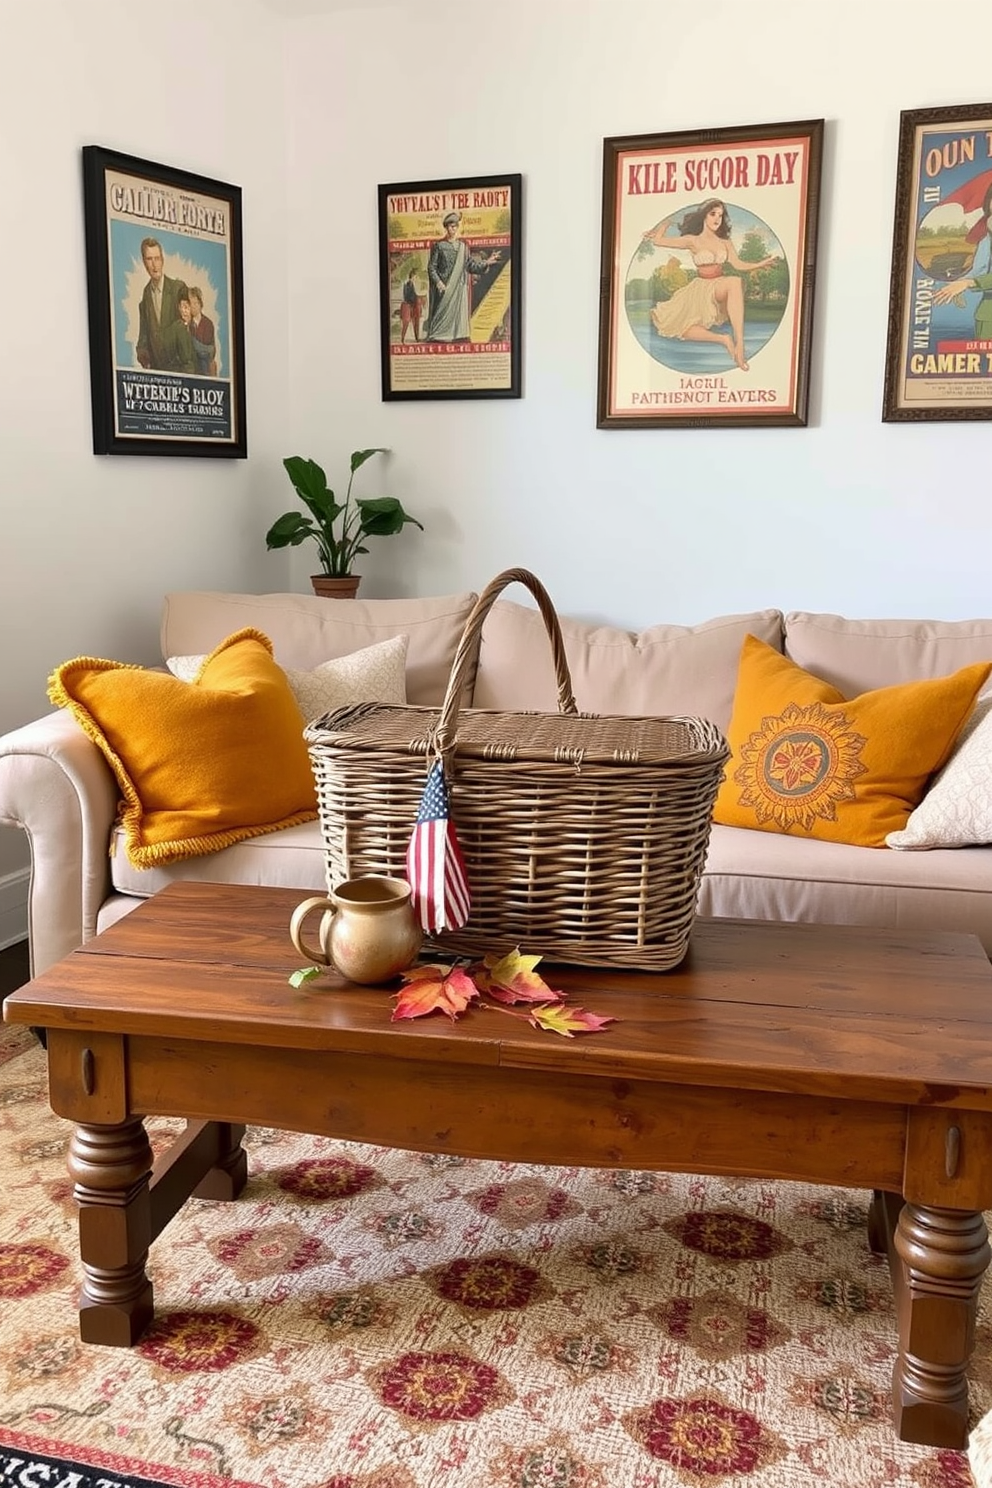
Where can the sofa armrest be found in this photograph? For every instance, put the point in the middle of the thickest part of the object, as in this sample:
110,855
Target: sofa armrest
56,786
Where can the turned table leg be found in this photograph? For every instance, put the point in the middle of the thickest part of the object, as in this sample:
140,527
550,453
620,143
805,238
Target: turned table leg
229,1173
111,1166
944,1254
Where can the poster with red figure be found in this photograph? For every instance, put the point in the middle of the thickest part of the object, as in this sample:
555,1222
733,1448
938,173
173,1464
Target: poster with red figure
939,357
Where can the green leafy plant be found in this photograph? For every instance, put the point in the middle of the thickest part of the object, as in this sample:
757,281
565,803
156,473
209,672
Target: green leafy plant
339,528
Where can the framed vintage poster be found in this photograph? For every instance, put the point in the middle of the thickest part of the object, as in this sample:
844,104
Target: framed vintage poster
708,260
166,309
938,363
449,270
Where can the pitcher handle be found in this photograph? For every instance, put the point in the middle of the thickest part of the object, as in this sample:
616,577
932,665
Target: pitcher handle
300,913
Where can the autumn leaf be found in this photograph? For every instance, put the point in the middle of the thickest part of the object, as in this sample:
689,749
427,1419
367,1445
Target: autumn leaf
304,975
512,978
434,987
568,1021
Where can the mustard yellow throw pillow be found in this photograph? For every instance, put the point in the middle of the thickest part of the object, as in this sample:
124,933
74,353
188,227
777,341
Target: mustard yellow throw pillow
806,761
200,765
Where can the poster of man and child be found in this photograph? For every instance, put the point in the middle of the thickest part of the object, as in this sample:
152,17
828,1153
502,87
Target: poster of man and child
173,339
707,274
449,255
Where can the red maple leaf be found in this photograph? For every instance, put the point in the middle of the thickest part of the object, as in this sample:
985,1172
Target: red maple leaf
434,988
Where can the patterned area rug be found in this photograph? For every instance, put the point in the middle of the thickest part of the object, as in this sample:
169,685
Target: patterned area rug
367,1318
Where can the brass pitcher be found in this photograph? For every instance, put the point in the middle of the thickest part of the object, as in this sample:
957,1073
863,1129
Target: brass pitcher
368,929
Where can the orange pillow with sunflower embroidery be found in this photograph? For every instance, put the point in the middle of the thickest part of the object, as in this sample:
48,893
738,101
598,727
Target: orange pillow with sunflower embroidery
808,761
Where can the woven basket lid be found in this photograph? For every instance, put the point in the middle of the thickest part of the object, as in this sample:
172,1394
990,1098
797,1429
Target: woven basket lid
489,734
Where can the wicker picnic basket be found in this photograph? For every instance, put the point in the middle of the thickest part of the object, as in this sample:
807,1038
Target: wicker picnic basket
584,837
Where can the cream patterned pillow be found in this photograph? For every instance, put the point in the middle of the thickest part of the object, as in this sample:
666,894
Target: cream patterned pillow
957,809
376,674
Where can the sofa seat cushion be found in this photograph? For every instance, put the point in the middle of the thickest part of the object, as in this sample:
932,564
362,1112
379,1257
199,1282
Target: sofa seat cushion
667,670
306,631
763,876
748,875
114,908
292,858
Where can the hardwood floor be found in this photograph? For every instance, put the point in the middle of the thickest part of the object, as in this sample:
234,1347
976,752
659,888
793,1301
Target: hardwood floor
13,967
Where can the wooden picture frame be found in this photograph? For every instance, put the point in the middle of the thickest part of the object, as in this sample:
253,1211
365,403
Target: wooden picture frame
714,329
450,257
938,362
163,381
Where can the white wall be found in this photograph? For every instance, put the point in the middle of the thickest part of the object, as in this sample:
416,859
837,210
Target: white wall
88,545
646,525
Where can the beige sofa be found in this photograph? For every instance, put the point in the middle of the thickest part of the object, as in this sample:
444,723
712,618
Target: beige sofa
55,784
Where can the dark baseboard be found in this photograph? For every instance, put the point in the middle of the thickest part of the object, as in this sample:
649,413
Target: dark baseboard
14,969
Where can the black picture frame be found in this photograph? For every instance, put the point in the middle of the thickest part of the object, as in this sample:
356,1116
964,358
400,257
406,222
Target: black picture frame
673,353
156,390
938,359
468,346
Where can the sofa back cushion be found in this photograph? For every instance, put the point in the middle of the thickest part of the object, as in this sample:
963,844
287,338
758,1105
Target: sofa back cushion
858,656
667,670
306,630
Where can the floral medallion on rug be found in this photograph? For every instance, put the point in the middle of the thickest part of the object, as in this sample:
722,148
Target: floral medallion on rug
368,1318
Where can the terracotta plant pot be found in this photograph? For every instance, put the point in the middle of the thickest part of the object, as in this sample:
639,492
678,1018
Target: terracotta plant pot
327,587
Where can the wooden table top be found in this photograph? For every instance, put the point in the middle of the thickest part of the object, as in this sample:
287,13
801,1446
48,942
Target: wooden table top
884,1015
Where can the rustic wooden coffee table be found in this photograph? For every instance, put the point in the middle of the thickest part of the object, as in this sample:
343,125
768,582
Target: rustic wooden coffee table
829,1055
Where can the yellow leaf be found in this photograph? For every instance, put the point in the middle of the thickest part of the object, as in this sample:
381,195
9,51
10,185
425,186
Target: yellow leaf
512,978
504,968
568,1021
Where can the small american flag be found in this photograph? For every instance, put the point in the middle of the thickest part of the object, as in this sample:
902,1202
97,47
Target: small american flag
434,863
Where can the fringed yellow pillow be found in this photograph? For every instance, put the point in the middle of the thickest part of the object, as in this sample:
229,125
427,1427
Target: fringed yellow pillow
200,765
807,761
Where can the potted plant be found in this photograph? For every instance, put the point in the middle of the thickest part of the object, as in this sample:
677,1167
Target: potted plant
338,528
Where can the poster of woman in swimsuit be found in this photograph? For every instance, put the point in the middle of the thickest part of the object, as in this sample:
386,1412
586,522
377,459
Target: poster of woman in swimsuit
709,253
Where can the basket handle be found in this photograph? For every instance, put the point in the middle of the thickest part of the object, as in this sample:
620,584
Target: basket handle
467,654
